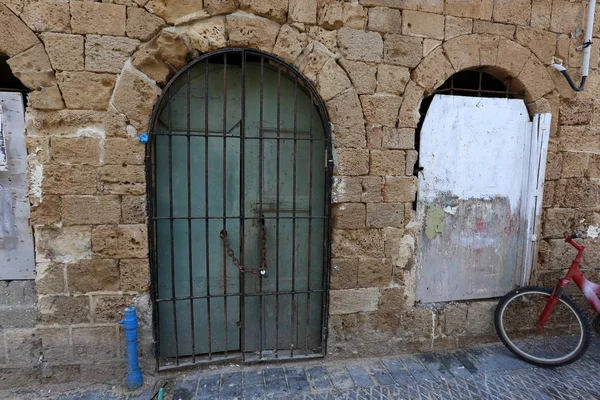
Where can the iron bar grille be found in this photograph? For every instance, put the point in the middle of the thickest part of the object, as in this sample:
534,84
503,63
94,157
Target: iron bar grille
478,83
239,168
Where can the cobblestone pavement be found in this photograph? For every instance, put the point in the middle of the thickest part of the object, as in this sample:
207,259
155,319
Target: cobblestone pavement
482,372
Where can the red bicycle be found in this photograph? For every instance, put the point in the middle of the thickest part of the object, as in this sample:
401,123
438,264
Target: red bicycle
544,326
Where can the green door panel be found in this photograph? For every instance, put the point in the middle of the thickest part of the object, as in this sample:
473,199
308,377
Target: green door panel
210,181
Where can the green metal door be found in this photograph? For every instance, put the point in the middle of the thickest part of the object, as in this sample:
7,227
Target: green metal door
239,148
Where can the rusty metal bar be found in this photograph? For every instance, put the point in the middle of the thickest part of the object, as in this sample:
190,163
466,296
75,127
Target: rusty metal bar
242,205
297,292
260,199
189,200
310,177
277,214
225,193
293,334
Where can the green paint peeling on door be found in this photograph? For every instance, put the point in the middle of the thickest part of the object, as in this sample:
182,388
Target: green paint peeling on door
434,222
256,149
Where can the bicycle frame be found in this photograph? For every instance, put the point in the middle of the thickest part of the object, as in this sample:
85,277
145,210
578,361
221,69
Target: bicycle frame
590,290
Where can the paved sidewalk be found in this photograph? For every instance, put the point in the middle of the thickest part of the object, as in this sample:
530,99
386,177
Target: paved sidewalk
481,372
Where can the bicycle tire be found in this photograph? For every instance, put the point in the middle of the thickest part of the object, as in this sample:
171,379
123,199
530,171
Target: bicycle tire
536,296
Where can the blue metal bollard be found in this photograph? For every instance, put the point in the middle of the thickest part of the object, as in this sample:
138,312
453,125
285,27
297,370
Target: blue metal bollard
130,323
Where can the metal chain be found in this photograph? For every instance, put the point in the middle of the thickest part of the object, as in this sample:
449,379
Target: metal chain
263,252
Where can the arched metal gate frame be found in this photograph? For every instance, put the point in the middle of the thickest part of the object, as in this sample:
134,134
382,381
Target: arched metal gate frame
174,357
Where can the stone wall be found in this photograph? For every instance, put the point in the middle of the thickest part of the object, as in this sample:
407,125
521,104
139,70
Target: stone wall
94,84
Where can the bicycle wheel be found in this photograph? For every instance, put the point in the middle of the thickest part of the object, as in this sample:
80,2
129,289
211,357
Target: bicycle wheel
564,338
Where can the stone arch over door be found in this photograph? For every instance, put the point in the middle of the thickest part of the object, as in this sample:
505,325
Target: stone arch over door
29,61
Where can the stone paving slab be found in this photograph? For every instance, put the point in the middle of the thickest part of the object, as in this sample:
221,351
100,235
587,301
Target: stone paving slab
482,372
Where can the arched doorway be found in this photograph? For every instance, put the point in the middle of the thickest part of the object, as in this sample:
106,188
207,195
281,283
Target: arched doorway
481,171
239,211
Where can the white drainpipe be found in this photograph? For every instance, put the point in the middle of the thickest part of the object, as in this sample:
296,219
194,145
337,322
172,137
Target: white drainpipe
587,50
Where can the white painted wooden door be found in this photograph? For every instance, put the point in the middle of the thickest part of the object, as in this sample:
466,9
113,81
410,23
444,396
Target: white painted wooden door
478,188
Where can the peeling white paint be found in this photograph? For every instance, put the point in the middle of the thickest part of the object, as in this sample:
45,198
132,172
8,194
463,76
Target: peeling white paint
593,231
338,190
450,210
36,176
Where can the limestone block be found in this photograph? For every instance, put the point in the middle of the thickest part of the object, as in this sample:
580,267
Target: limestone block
382,215
392,79
63,122
354,15
346,189
69,179
46,98
332,80
374,136
344,273
122,179
50,278
86,90
16,6
429,45
351,301
119,151
325,37
47,16
402,50
274,9
576,193
462,52
98,18
435,69
434,6
387,162
133,209
330,15
541,11
17,37
176,11
313,58
553,165
159,57
32,67
95,343
22,346
480,317
512,11
488,49
456,26
362,75
576,112
566,17
409,115
345,110
91,210
541,43
348,216
512,57
412,157
135,96
428,25
141,24
398,138
48,212
108,53
85,276
290,43
64,244
353,136
215,7
478,9
374,272
381,108
110,308
247,30
360,45
400,249
391,299
383,19
80,150
493,28
400,189
64,309
351,161
303,11
574,165
536,78
56,344
371,189
122,241
65,51
135,275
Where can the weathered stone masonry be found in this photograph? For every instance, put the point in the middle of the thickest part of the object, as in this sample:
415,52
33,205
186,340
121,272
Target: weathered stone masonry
96,69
